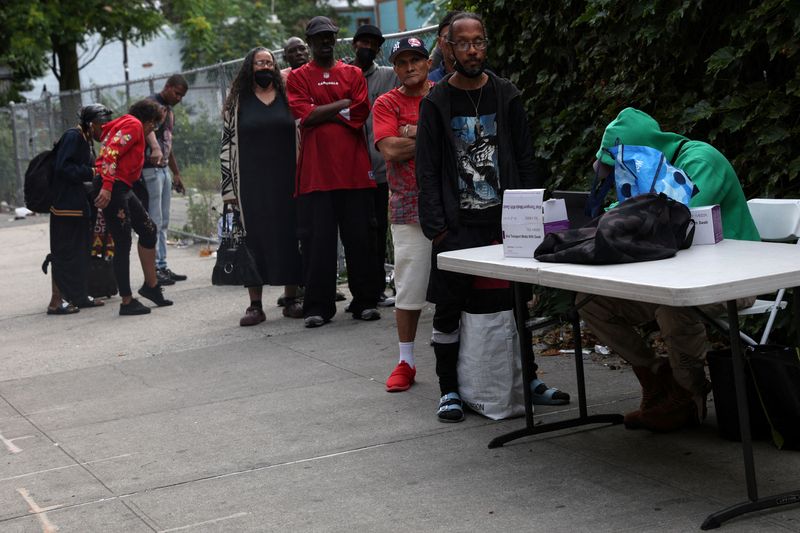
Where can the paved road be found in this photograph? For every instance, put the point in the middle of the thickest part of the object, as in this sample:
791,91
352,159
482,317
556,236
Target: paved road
183,421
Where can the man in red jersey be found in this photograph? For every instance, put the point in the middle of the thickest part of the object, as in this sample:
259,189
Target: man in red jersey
334,178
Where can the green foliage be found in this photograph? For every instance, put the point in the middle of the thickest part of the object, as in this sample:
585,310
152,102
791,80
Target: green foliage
221,30
723,72
718,71
36,30
197,137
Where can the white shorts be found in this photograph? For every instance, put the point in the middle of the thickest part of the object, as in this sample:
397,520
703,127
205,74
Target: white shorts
412,266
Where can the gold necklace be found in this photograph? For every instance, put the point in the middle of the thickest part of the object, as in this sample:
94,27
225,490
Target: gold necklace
471,101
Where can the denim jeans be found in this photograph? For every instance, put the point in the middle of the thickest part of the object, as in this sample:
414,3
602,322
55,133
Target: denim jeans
158,182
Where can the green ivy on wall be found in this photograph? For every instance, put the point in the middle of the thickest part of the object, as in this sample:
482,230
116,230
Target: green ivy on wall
721,71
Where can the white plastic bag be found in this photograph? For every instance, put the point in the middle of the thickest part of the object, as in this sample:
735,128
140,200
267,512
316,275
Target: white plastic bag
489,365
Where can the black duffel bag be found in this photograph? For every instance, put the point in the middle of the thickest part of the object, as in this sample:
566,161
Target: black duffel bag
644,228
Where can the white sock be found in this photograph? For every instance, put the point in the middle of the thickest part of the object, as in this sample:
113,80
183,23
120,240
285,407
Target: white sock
407,352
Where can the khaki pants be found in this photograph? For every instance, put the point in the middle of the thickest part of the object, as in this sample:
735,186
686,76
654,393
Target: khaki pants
613,320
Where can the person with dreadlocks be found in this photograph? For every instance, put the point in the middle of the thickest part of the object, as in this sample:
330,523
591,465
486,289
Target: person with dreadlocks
71,212
258,167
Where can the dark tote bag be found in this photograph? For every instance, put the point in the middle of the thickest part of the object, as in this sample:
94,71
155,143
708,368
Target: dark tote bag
645,228
235,264
776,374
101,279
720,368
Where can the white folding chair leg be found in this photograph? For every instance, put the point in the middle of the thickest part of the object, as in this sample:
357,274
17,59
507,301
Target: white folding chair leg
747,340
772,314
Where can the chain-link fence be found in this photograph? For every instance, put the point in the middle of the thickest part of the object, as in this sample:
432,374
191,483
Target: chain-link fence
27,129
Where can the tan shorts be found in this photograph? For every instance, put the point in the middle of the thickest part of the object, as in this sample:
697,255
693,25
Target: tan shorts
412,266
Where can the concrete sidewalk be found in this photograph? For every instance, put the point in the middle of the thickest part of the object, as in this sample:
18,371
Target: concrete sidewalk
182,421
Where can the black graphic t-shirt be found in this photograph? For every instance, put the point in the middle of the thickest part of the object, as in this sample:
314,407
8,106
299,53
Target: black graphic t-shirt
475,134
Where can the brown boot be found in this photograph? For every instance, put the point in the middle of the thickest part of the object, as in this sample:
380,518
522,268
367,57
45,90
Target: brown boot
677,411
655,386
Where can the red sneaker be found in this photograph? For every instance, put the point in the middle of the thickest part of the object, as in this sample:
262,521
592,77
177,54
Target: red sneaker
401,378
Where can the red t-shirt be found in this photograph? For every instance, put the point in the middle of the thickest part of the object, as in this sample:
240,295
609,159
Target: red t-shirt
333,155
122,151
391,112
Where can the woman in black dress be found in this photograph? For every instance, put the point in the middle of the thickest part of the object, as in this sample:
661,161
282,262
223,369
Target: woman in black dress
258,176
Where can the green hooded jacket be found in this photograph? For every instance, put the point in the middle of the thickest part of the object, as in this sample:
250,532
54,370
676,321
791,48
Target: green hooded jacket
705,165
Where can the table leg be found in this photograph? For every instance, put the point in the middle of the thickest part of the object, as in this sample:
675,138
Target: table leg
755,503
526,352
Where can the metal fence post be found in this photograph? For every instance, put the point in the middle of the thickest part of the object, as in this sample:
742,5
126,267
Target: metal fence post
20,200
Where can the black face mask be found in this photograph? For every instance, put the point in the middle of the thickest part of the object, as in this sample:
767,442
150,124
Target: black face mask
264,78
365,56
468,73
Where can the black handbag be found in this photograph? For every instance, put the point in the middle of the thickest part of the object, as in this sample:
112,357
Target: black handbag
101,279
644,228
235,264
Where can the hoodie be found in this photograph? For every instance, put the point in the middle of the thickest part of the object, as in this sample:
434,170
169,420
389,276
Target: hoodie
708,169
122,152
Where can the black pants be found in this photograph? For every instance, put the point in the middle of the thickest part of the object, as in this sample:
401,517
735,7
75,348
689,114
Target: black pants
69,253
454,293
320,215
381,228
122,213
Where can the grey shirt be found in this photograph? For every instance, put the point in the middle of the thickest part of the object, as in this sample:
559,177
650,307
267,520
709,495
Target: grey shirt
380,80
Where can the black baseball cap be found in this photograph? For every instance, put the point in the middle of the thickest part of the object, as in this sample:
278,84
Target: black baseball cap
320,24
408,44
368,30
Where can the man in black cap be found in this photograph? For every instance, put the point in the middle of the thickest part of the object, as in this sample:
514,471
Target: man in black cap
380,80
395,115
334,178
442,50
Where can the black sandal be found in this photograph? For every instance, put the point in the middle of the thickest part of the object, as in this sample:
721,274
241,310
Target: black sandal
64,308
90,302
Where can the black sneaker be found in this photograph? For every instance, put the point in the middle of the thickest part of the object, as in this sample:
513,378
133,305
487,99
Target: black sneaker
133,308
163,277
368,315
173,276
155,295
385,301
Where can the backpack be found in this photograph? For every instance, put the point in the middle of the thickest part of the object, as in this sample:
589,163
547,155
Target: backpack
39,180
645,228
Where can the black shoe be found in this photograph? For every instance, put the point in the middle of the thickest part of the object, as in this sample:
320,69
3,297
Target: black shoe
155,295
133,308
173,276
163,277
340,296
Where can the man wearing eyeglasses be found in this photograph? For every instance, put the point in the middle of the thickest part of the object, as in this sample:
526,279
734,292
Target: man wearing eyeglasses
473,143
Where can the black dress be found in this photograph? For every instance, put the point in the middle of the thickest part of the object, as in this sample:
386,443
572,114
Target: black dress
266,187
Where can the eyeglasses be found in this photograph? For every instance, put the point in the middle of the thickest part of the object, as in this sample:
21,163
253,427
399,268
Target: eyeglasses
264,63
463,46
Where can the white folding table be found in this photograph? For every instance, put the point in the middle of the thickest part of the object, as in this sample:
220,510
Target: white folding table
697,276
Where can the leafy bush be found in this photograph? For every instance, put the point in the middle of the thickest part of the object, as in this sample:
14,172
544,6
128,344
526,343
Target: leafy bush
719,71
723,72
